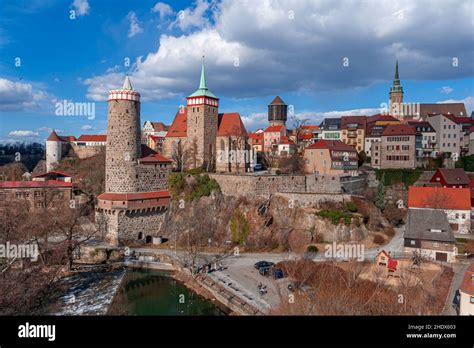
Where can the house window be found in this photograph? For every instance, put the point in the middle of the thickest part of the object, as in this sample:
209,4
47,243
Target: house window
412,242
472,299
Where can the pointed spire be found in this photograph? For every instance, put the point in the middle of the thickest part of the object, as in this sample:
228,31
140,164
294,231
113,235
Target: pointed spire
127,85
396,71
202,83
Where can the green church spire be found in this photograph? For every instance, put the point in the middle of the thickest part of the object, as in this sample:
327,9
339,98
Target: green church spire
202,84
203,90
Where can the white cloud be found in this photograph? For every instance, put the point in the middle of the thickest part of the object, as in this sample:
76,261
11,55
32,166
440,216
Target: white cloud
87,127
81,7
190,18
17,96
446,89
163,9
264,48
23,134
134,28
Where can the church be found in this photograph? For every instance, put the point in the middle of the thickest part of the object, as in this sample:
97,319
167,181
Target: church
201,137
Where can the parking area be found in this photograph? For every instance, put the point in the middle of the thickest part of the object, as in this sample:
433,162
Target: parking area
239,274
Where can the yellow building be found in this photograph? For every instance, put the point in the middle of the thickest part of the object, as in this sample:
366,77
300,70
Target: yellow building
353,131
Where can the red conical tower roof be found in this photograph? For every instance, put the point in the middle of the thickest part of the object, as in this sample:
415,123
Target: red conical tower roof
53,136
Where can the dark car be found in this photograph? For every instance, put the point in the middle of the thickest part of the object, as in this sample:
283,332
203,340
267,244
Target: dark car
261,264
265,271
277,273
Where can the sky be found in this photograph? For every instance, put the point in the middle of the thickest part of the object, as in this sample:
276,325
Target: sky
325,58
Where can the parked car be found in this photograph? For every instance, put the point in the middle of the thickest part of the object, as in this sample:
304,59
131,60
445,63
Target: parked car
272,271
265,271
261,264
258,167
277,273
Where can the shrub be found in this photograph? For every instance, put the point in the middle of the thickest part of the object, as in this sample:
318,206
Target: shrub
239,227
312,249
201,186
335,216
352,207
394,176
378,239
278,172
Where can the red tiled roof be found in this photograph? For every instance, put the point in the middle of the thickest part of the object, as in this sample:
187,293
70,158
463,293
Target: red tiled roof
52,172
155,158
398,129
359,120
306,136
34,184
93,137
286,141
439,198
381,117
467,284
331,145
310,126
273,129
155,137
392,264
230,124
159,126
457,109
179,126
53,136
277,101
135,196
453,176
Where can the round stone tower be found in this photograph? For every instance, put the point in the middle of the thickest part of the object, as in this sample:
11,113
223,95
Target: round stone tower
53,150
277,112
123,140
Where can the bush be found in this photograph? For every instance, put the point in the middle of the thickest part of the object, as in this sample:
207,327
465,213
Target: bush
378,239
335,216
239,227
352,207
201,186
394,176
312,249
278,172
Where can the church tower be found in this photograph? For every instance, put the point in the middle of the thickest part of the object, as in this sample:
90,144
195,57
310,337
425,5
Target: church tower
277,112
123,140
202,122
396,96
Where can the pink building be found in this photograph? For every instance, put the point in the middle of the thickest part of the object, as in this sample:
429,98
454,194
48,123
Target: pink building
272,137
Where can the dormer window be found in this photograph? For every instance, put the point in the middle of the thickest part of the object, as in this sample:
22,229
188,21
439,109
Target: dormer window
436,230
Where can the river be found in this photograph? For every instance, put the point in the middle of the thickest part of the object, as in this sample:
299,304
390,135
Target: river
150,292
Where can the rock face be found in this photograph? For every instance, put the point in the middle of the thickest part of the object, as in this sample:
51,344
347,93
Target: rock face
271,222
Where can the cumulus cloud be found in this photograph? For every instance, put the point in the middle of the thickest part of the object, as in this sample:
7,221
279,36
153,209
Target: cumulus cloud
190,17
19,96
264,48
163,9
134,28
23,134
81,7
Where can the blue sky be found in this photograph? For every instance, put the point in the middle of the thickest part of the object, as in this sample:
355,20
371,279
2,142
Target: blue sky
254,50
